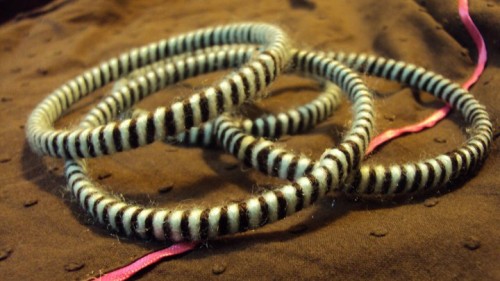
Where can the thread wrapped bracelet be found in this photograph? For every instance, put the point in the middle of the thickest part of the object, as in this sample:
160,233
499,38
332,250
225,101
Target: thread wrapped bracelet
369,180
378,180
232,91
186,121
290,122
207,223
433,172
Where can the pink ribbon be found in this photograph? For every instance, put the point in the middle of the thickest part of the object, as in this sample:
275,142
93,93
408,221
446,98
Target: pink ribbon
463,10
127,271
390,134
440,114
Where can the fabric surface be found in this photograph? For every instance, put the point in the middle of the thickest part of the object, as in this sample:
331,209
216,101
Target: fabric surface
451,234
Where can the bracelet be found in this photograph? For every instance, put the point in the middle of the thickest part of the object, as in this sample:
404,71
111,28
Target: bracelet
377,180
369,180
433,172
200,224
269,126
232,91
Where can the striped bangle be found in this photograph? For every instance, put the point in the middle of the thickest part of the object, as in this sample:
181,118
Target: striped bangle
194,63
233,90
377,180
433,172
257,211
271,126
291,122
369,180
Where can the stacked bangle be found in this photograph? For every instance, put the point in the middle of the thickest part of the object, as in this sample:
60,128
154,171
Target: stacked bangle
199,120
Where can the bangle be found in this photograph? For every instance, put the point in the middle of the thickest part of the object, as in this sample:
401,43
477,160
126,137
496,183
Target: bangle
270,126
257,211
433,172
232,91
377,180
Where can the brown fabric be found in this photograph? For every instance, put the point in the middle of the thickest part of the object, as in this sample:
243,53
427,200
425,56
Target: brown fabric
338,238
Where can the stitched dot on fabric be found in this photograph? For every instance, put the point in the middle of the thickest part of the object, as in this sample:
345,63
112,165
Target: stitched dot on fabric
104,176
5,252
472,243
431,202
379,232
42,71
390,117
74,266
166,188
219,268
439,140
30,202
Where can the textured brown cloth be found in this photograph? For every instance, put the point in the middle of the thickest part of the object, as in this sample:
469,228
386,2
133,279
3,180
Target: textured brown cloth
451,234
